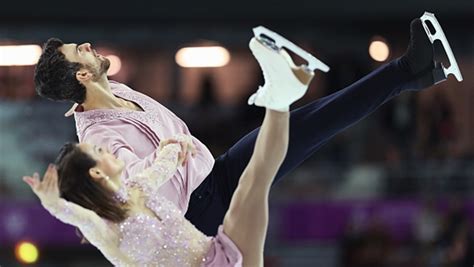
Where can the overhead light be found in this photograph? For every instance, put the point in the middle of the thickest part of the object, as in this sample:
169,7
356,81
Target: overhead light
379,49
202,57
26,252
19,55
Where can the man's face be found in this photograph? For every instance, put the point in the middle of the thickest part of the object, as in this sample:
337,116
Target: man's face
87,56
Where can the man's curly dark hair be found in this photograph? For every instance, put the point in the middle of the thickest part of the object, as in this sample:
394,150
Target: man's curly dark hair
55,77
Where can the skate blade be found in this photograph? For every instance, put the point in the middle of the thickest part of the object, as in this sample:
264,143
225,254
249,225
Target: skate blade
279,42
439,35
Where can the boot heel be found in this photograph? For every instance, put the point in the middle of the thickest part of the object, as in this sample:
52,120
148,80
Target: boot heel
439,35
438,73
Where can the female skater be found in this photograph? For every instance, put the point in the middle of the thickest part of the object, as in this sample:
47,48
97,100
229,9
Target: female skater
112,116
133,225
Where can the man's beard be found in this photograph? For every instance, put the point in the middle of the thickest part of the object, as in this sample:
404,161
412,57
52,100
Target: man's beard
104,66
102,69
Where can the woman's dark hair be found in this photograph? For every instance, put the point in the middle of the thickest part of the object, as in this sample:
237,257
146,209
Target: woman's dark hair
77,186
55,77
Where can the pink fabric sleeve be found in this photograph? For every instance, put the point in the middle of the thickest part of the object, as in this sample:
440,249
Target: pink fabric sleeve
110,139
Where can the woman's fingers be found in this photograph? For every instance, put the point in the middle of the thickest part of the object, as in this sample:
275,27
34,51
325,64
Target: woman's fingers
181,158
29,180
193,149
51,178
53,187
190,149
48,187
184,151
187,147
47,177
36,180
54,173
33,182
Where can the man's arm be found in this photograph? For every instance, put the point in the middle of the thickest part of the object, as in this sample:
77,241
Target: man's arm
114,141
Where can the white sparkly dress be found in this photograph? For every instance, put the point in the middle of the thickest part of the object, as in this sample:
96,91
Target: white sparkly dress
166,239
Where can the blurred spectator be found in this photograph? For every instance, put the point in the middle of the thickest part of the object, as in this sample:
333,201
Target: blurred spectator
456,244
436,126
370,247
427,226
16,83
398,123
362,181
427,223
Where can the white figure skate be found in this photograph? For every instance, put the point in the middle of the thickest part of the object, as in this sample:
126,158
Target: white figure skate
439,35
276,42
284,82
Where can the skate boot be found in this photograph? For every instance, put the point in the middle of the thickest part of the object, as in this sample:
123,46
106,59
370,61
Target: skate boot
284,82
419,57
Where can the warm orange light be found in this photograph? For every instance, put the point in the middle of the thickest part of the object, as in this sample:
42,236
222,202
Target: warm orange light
26,252
19,55
379,50
202,57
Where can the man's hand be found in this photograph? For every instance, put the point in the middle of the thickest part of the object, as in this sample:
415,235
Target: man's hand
47,190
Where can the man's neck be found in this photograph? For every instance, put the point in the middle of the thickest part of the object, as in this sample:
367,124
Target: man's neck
99,96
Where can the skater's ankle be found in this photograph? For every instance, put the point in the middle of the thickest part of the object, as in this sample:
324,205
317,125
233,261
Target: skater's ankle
419,55
302,75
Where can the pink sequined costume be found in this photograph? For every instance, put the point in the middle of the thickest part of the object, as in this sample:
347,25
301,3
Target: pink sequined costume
133,136
166,239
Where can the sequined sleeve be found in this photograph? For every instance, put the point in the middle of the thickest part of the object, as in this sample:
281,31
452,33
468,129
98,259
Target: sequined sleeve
162,169
93,227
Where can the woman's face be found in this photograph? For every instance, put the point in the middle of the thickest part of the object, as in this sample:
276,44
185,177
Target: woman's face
107,163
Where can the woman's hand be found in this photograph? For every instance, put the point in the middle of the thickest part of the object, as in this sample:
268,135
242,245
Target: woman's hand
47,190
187,147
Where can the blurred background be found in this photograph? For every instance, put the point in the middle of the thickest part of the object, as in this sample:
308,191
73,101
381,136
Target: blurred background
394,190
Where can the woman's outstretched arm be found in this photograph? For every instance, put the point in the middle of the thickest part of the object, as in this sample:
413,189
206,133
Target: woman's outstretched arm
93,227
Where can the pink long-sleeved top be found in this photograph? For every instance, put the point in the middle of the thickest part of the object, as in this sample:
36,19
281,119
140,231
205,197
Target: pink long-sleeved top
134,136
165,238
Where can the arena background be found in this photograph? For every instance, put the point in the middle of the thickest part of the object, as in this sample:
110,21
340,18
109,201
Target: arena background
394,190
